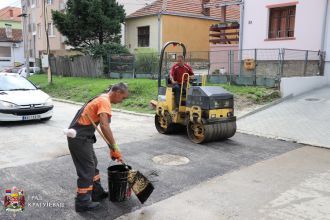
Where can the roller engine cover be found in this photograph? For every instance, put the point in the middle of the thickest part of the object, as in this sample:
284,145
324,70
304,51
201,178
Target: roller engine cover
209,97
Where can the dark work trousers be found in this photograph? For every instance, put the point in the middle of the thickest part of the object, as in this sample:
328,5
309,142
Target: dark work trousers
83,155
85,161
177,91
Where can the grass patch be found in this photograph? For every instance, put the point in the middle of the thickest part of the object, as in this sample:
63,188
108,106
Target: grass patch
141,90
81,89
257,94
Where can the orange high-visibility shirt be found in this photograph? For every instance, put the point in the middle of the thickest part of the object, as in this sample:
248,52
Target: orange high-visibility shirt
97,106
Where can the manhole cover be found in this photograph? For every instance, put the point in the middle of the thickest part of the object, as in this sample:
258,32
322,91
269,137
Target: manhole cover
312,99
170,160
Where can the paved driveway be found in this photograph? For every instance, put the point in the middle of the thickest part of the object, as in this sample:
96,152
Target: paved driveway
303,119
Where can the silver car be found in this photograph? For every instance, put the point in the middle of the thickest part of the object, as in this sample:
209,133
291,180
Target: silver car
21,100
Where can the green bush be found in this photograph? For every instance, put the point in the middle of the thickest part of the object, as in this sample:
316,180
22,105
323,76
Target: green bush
103,50
147,61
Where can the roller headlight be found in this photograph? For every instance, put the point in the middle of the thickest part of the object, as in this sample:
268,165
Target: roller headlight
8,105
230,114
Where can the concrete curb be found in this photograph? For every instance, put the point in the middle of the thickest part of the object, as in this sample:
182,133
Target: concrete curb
114,109
282,138
151,115
278,101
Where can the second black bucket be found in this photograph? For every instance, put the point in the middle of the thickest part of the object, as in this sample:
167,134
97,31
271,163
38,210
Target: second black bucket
119,189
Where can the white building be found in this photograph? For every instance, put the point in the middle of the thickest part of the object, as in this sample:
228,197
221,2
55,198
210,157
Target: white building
131,6
283,24
290,24
11,48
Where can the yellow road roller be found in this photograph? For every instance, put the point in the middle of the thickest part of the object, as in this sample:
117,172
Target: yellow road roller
206,112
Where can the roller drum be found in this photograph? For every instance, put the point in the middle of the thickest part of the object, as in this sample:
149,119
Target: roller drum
200,133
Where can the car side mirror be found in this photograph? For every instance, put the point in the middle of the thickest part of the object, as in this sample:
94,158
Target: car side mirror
38,87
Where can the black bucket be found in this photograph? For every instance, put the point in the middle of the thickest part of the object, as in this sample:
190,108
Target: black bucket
119,188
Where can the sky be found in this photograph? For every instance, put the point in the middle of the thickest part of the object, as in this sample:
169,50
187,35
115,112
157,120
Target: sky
5,3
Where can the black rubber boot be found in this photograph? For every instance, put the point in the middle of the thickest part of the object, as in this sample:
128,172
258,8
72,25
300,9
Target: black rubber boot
84,203
98,192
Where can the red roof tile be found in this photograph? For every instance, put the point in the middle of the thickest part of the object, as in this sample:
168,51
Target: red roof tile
185,8
17,35
5,14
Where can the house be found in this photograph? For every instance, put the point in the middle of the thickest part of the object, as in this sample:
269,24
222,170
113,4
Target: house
168,20
11,41
295,25
130,6
9,16
11,47
35,31
283,24
37,41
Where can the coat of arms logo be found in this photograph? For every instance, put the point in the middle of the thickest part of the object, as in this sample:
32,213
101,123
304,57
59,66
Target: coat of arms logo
14,200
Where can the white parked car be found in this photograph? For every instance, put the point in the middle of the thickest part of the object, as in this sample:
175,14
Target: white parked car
21,100
33,70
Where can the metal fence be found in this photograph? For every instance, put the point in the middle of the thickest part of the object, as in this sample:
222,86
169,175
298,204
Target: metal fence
244,67
144,65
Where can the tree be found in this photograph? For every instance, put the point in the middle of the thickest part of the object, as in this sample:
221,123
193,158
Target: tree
89,22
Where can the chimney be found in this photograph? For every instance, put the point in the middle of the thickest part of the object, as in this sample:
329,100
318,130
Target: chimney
206,9
223,13
11,13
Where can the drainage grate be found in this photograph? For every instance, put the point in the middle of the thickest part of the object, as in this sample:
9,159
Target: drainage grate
170,160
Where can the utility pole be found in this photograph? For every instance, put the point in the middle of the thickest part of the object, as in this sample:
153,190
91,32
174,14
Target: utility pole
49,73
26,39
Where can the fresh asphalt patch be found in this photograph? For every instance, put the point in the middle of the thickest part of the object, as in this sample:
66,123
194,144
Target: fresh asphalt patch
49,186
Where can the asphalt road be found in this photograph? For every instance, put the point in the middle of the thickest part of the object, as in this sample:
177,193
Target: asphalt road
27,142
34,158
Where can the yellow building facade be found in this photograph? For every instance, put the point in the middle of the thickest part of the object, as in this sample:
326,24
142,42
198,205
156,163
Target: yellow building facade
192,31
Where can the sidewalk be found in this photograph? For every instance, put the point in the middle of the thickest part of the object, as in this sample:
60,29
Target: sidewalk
303,119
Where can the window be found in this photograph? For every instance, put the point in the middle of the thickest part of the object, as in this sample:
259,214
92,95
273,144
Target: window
5,51
32,28
281,22
39,30
51,31
49,2
205,8
143,36
31,53
33,3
